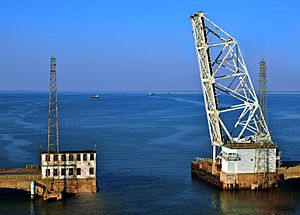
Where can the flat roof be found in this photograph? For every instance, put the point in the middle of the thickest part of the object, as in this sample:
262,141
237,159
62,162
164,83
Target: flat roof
248,146
71,151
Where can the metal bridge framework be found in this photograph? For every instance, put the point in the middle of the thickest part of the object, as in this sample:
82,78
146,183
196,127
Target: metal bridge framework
225,80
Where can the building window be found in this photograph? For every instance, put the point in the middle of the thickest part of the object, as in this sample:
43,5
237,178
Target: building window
55,158
63,171
78,157
71,171
47,158
47,172
91,171
55,172
92,157
85,157
63,157
78,171
71,157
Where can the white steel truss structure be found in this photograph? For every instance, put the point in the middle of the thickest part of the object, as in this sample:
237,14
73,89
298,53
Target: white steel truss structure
233,111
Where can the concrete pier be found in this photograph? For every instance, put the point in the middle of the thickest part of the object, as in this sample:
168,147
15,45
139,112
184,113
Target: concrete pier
203,169
23,179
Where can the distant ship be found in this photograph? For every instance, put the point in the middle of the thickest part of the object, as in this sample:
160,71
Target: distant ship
95,96
151,94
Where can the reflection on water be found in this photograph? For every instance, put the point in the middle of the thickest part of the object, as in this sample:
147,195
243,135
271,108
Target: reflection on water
258,202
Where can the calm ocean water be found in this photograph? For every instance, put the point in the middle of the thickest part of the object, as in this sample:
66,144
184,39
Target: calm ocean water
145,145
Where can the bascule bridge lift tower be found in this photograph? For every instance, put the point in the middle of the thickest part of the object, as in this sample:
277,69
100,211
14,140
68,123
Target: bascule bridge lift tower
244,155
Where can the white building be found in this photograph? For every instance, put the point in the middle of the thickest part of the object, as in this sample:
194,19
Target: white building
237,160
69,165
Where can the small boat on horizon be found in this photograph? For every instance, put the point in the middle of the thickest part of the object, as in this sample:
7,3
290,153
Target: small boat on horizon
95,96
151,94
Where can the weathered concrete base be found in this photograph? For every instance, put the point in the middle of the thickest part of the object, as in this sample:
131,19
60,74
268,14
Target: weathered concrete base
53,195
19,178
252,181
22,178
206,171
208,177
68,186
289,170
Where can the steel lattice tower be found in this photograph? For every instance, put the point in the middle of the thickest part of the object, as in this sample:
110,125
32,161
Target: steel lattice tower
260,157
53,145
263,89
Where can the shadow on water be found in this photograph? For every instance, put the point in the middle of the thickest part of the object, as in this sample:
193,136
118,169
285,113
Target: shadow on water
14,201
18,202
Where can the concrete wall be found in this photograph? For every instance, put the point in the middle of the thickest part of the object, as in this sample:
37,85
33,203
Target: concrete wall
85,166
248,180
88,185
21,178
246,161
290,172
18,178
15,184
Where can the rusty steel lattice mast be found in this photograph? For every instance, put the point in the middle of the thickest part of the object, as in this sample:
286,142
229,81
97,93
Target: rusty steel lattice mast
263,150
53,144
233,112
263,89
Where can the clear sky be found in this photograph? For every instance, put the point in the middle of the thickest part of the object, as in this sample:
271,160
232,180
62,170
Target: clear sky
139,44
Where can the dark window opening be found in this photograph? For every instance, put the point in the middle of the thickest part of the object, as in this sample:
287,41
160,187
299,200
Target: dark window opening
91,171
63,157
63,171
92,157
78,171
71,171
71,157
55,172
47,172
47,158
85,157
78,157
55,158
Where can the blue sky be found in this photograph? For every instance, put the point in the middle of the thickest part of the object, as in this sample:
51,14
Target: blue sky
139,45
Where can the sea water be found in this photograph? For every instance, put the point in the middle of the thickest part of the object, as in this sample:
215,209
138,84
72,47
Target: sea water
145,145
